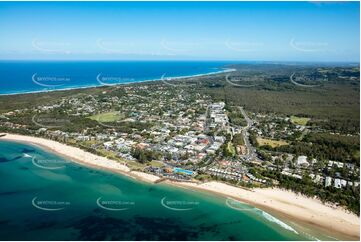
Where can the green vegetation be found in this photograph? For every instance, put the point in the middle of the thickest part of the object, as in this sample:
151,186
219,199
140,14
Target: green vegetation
13,102
324,146
235,116
238,139
203,177
133,165
145,156
299,120
334,105
231,151
107,117
156,163
349,197
270,142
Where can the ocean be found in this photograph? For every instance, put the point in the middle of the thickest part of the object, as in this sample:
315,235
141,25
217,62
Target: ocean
37,76
46,197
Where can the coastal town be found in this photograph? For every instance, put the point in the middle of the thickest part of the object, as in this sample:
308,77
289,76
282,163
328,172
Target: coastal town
180,121
183,135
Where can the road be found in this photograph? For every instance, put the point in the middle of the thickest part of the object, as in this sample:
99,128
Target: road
299,84
251,151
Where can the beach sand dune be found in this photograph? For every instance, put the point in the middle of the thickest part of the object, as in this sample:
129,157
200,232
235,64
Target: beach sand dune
308,212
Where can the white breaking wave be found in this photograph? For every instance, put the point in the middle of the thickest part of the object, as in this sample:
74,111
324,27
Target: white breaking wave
270,218
231,203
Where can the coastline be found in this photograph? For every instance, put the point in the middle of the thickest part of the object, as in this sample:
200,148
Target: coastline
175,78
308,212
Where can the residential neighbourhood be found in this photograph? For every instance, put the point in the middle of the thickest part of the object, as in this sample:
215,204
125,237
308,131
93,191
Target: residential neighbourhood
160,130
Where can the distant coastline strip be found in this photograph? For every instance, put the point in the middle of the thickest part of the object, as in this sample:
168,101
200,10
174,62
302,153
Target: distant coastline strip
171,78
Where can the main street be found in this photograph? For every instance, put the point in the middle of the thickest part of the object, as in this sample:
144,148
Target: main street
251,151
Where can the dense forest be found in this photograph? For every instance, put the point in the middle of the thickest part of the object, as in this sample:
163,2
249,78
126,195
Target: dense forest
324,146
332,105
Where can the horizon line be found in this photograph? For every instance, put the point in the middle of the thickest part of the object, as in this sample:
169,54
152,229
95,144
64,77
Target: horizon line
185,60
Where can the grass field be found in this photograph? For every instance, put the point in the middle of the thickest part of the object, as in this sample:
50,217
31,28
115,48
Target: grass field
231,149
107,117
133,165
270,142
299,120
156,163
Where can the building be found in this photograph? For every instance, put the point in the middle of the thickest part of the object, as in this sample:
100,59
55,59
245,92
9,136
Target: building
335,163
328,181
302,161
318,179
337,183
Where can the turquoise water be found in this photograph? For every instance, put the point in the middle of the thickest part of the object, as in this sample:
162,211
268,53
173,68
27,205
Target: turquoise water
45,197
180,170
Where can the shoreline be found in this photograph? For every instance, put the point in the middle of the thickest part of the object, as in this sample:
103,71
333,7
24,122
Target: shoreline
312,216
176,78
307,212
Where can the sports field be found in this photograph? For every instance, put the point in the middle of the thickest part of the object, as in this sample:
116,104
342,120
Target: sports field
299,120
270,142
107,117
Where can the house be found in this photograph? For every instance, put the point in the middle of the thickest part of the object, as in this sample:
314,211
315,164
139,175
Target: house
41,130
210,151
108,145
297,176
335,163
318,179
337,183
201,156
350,166
101,136
82,138
142,145
219,139
302,161
328,181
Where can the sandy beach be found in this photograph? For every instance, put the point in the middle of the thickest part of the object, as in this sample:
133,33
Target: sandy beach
308,212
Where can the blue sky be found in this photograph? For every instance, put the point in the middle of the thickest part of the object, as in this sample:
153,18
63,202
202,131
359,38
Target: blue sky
264,31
